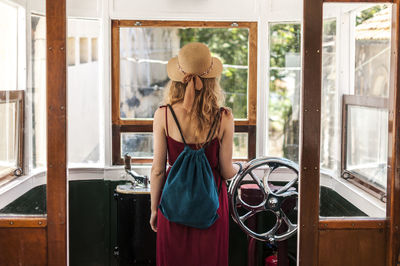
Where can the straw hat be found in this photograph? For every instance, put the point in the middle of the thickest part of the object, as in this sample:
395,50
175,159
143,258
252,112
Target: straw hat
194,60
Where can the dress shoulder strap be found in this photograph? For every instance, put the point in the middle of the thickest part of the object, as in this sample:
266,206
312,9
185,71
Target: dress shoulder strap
177,123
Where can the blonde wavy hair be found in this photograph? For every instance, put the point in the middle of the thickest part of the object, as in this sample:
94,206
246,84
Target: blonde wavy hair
206,104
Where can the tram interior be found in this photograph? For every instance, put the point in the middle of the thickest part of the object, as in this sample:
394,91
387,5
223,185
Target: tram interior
260,45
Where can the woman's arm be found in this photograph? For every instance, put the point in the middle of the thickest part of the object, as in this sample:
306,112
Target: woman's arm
157,175
228,170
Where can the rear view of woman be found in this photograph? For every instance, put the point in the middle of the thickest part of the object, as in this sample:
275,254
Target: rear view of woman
193,117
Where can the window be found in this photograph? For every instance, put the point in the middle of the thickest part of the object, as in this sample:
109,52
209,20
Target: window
330,128
38,92
11,133
284,90
365,142
8,47
365,111
12,94
85,129
140,53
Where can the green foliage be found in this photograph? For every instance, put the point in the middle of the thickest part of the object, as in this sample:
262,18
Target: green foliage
231,46
368,13
284,39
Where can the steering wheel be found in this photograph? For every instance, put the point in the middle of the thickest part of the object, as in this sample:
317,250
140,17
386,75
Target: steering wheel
273,200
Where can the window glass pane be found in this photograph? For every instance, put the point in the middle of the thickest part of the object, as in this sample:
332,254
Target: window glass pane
144,53
84,97
330,133
8,46
367,141
284,90
137,145
140,145
8,135
372,51
38,91
240,145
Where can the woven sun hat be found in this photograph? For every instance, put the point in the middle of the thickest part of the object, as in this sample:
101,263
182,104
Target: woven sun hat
194,61
194,58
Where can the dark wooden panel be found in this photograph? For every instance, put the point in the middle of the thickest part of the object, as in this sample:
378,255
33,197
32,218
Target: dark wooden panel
310,124
393,185
23,246
352,247
56,132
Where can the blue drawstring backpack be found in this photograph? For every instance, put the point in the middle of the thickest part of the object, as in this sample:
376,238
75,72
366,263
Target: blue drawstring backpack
190,194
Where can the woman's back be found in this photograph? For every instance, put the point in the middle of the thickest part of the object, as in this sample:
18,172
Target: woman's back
186,123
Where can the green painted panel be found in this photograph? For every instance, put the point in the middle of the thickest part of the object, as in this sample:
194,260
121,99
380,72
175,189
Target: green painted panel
332,204
87,223
32,202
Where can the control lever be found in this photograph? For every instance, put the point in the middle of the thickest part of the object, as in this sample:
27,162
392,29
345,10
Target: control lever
140,180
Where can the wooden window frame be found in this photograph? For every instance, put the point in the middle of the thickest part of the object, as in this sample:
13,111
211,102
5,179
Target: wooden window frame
16,96
145,125
352,177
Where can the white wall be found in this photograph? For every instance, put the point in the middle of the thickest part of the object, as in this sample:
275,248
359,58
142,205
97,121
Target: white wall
75,8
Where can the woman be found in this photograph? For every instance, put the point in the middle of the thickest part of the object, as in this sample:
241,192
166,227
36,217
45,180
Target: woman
196,99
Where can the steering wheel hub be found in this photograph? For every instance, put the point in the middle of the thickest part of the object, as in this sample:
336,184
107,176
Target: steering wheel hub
273,202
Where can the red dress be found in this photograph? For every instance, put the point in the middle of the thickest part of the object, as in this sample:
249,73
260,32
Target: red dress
182,245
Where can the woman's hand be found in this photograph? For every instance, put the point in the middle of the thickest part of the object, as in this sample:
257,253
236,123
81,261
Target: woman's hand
153,220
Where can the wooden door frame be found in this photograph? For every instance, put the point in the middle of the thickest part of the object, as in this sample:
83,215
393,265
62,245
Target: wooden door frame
56,63
46,236
310,225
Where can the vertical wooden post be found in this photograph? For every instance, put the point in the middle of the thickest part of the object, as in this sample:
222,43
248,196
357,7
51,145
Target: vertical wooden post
310,124
56,132
393,185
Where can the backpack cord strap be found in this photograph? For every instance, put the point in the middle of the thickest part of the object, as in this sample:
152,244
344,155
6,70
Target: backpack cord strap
177,123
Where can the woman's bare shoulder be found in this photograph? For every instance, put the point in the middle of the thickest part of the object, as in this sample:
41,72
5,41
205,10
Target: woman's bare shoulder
226,113
160,112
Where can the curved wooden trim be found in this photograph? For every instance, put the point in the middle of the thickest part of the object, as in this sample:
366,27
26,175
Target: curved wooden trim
15,221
